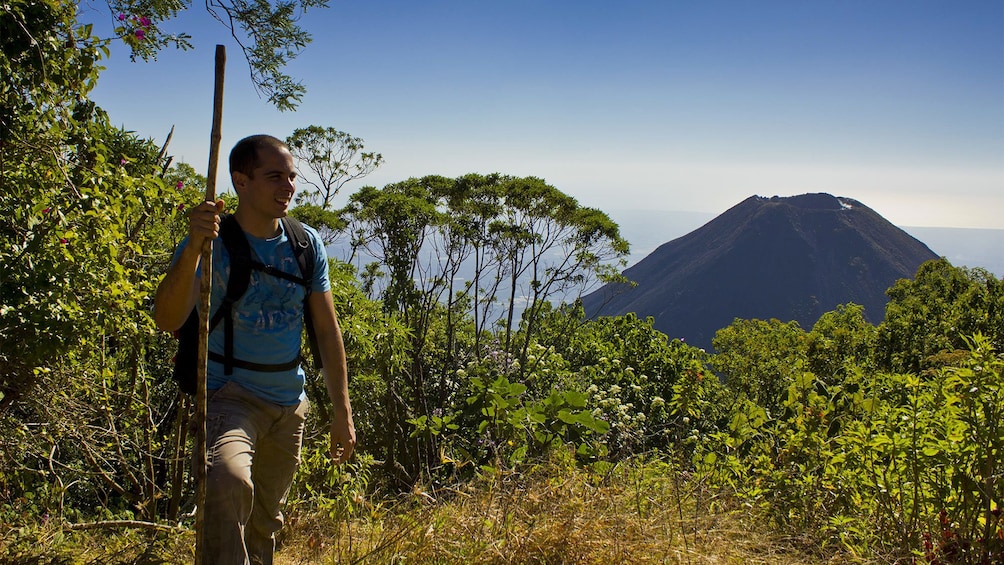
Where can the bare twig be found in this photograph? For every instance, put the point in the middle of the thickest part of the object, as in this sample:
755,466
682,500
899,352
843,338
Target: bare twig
137,524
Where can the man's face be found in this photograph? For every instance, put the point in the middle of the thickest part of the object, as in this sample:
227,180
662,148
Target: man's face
268,191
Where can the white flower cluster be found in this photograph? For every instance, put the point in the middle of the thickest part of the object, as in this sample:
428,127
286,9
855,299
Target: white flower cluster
611,407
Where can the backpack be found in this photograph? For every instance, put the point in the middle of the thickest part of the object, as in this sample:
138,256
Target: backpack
236,243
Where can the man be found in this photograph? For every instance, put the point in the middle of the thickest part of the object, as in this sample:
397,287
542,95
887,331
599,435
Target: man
255,419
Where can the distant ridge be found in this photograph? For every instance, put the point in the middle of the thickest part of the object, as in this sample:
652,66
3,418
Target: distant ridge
791,258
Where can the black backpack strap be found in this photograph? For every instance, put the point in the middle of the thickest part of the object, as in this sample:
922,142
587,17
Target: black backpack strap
306,258
239,249
303,248
251,365
278,273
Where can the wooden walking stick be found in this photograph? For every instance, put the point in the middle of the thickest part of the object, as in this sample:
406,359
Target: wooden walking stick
206,264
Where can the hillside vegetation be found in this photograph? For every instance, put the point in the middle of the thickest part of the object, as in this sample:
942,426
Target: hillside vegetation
493,426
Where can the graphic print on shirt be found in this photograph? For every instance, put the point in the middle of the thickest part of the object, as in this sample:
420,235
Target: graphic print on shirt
272,304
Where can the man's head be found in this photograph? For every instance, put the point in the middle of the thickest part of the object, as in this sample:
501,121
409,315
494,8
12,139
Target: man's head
264,178
244,157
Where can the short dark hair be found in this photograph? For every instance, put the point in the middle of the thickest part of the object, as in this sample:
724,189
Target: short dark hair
244,155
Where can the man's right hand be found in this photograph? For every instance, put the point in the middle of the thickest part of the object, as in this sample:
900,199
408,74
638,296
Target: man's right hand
204,222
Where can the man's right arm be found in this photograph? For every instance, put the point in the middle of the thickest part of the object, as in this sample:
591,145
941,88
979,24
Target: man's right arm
178,292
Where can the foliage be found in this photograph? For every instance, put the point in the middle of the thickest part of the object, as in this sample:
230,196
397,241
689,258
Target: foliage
338,493
271,38
268,34
427,235
973,441
88,211
758,359
328,223
140,25
877,462
85,365
512,428
840,340
376,347
37,155
333,157
654,392
518,237
929,318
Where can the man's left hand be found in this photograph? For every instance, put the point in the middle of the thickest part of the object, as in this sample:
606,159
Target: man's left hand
343,439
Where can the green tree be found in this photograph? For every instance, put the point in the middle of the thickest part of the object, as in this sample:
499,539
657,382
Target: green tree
548,246
392,224
654,392
928,318
268,34
840,339
83,389
333,158
759,359
72,188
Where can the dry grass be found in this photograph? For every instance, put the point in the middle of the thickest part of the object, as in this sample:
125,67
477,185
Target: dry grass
639,513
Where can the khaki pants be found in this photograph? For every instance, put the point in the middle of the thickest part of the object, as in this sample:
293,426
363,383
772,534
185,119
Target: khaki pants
253,451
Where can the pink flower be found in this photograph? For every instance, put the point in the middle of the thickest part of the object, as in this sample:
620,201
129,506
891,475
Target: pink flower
46,210
181,207
140,34
180,185
123,161
122,17
64,241
144,21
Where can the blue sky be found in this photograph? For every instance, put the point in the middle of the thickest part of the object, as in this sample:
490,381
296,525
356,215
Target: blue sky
631,105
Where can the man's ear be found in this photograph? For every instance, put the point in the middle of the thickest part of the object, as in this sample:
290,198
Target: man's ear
239,180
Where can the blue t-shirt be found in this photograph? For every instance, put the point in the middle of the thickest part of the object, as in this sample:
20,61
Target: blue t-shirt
268,319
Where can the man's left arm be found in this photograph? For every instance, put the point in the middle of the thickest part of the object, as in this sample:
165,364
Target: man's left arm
332,352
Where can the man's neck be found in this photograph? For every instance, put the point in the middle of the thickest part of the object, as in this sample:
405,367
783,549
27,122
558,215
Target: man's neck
258,227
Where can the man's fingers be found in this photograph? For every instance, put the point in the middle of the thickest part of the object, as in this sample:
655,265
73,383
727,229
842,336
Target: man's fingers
340,453
204,219
343,440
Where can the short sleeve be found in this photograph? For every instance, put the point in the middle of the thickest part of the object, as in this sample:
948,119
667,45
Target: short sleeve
320,281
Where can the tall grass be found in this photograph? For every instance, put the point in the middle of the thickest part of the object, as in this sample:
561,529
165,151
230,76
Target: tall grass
642,510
